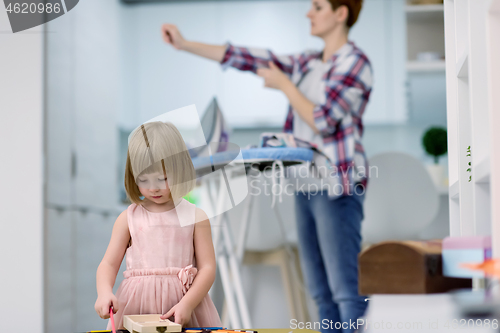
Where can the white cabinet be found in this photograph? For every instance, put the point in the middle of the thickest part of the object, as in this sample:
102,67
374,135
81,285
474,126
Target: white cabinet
82,100
95,92
82,108
493,54
94,229
425,65
425,33
59,271
472,73
58,112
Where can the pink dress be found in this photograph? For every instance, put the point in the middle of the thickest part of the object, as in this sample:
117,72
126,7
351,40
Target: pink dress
161,266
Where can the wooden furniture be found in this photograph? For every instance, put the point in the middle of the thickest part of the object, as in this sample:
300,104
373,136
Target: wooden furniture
405,267
149,324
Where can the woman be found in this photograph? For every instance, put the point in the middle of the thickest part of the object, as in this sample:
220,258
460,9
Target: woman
328,92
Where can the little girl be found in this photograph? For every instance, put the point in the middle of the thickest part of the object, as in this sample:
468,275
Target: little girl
170,258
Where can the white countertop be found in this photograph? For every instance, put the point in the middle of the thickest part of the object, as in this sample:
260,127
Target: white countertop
419,313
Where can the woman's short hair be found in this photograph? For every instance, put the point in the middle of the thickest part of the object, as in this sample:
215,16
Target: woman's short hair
159,147
354,7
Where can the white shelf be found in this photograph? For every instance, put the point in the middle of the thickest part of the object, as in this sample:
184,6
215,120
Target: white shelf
462,66
426,66
454,191
424,8
481,172
425,12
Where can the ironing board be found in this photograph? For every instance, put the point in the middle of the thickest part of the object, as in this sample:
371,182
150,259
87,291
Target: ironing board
264,157
229,257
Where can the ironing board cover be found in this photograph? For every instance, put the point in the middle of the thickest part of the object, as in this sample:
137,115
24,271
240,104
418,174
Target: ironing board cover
255,155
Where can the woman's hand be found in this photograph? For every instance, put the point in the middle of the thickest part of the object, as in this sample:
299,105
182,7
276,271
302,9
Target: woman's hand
103,303
181,313
273,77
171,35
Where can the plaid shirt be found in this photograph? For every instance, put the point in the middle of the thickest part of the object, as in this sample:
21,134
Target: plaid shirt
348,84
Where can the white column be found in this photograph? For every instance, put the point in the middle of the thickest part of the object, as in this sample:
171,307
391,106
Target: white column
493,49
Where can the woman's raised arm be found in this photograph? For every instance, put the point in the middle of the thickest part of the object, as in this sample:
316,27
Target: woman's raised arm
242,58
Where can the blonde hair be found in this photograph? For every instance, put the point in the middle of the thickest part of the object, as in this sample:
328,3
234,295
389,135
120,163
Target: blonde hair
159,147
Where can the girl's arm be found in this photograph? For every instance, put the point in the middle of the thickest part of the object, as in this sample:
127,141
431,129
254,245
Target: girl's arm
242,58
205,261
109,266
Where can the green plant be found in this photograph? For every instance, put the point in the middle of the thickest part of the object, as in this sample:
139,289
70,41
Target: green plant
435,142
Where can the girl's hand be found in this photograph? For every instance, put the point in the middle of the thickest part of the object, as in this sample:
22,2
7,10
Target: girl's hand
273,77
180,312
172,36
103,303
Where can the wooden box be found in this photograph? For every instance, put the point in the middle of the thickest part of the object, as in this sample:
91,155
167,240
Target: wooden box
149,324
405,267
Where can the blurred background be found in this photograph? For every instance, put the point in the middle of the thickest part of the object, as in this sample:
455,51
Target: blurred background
103,69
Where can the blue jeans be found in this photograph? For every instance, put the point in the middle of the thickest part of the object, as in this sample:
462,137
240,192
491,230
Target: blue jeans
329,233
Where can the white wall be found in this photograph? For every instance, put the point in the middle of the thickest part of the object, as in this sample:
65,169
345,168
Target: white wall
21,198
